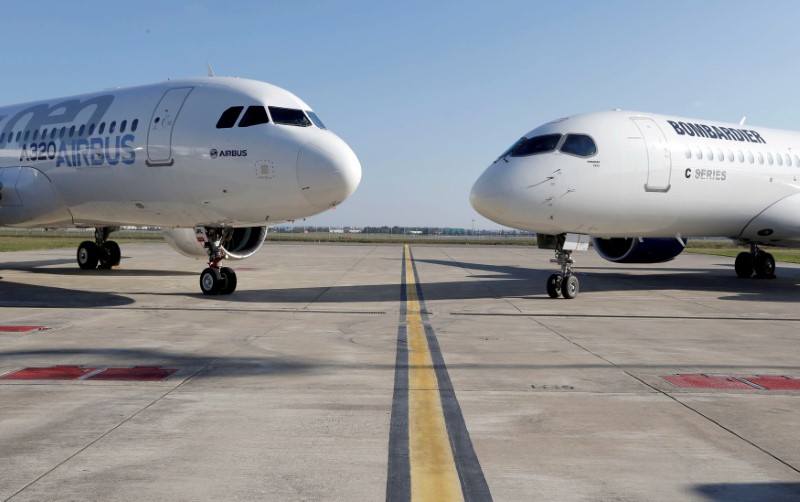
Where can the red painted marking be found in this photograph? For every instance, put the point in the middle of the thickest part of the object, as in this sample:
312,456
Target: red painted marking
775,382
699,381
21,329
247,268
51,373
140,373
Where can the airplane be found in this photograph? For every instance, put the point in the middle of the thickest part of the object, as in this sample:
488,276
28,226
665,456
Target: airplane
638,184
212,160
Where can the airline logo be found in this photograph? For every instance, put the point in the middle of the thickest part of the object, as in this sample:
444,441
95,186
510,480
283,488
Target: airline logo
103,150
714,132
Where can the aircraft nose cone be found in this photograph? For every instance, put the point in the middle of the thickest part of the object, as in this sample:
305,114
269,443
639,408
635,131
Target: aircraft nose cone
328,171
489,195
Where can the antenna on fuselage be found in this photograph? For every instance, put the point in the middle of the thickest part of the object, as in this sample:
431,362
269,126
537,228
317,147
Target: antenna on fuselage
741,122
210,70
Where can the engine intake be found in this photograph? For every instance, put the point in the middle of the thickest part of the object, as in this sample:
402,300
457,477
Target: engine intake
629,250
241,243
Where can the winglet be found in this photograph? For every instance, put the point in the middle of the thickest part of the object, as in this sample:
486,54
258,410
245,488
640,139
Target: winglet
210,70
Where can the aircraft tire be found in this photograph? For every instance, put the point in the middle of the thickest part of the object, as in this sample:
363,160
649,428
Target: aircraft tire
229,281
211,281
110,255
765,266
744,265
554,285
88,255
570,287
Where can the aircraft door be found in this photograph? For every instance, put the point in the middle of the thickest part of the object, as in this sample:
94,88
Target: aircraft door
659,161
8,186
159,134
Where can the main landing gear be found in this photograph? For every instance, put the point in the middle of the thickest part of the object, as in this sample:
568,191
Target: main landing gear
563,283
758,261
216,280
102,253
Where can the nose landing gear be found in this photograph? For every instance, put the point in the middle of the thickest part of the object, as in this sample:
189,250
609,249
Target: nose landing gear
563,283
756,261
102,253
215,280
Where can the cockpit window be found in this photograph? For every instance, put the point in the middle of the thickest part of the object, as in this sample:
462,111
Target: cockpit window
289,116
229,117
579,144
253,116
536,145
317,122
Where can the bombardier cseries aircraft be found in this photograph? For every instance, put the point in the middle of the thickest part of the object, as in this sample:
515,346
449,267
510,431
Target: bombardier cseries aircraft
213,161
638,184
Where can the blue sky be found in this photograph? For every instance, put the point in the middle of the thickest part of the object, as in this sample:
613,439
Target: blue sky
427,93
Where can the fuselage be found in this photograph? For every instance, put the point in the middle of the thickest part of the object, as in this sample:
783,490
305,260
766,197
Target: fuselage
217,152
630,174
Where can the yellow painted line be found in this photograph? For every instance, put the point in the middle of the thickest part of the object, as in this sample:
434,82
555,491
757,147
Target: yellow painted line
433,468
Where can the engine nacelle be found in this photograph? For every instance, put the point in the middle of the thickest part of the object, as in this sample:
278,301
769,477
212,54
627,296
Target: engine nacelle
242,242
627,250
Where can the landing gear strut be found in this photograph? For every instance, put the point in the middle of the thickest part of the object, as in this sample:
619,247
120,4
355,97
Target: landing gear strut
563,283
102,253
758,261
216,280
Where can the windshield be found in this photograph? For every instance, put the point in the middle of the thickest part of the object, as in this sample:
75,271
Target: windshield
536,145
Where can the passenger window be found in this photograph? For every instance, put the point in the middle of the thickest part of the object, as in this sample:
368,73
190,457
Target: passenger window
134,125
35,134
27,135
2,137
788,160
19,135
536,145
779,159
72,131
289,116
760,158
102,128
579,144
740,156
750,158
91,129
769,158
797,161
720,155
44,133
53,133
254,115
229,116
709,154
122,126
698,152
317,122
80,131
687,152
730,156
112,127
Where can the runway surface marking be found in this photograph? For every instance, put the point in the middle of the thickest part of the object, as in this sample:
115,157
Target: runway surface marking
430,453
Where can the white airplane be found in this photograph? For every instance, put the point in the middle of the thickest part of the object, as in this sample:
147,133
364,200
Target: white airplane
213,161
638,184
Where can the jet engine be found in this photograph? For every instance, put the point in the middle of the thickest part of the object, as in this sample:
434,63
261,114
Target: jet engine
627,250
238,243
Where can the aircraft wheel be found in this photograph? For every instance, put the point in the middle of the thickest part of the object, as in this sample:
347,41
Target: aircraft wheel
554,285
88,255
570,287
110,255
211,281
744,265
229,281
765,265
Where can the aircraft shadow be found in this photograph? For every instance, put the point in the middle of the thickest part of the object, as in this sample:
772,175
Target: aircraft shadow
774,492
13,294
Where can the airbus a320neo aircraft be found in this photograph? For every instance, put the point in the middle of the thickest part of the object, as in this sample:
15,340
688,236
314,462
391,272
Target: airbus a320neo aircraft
213,161
638,184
